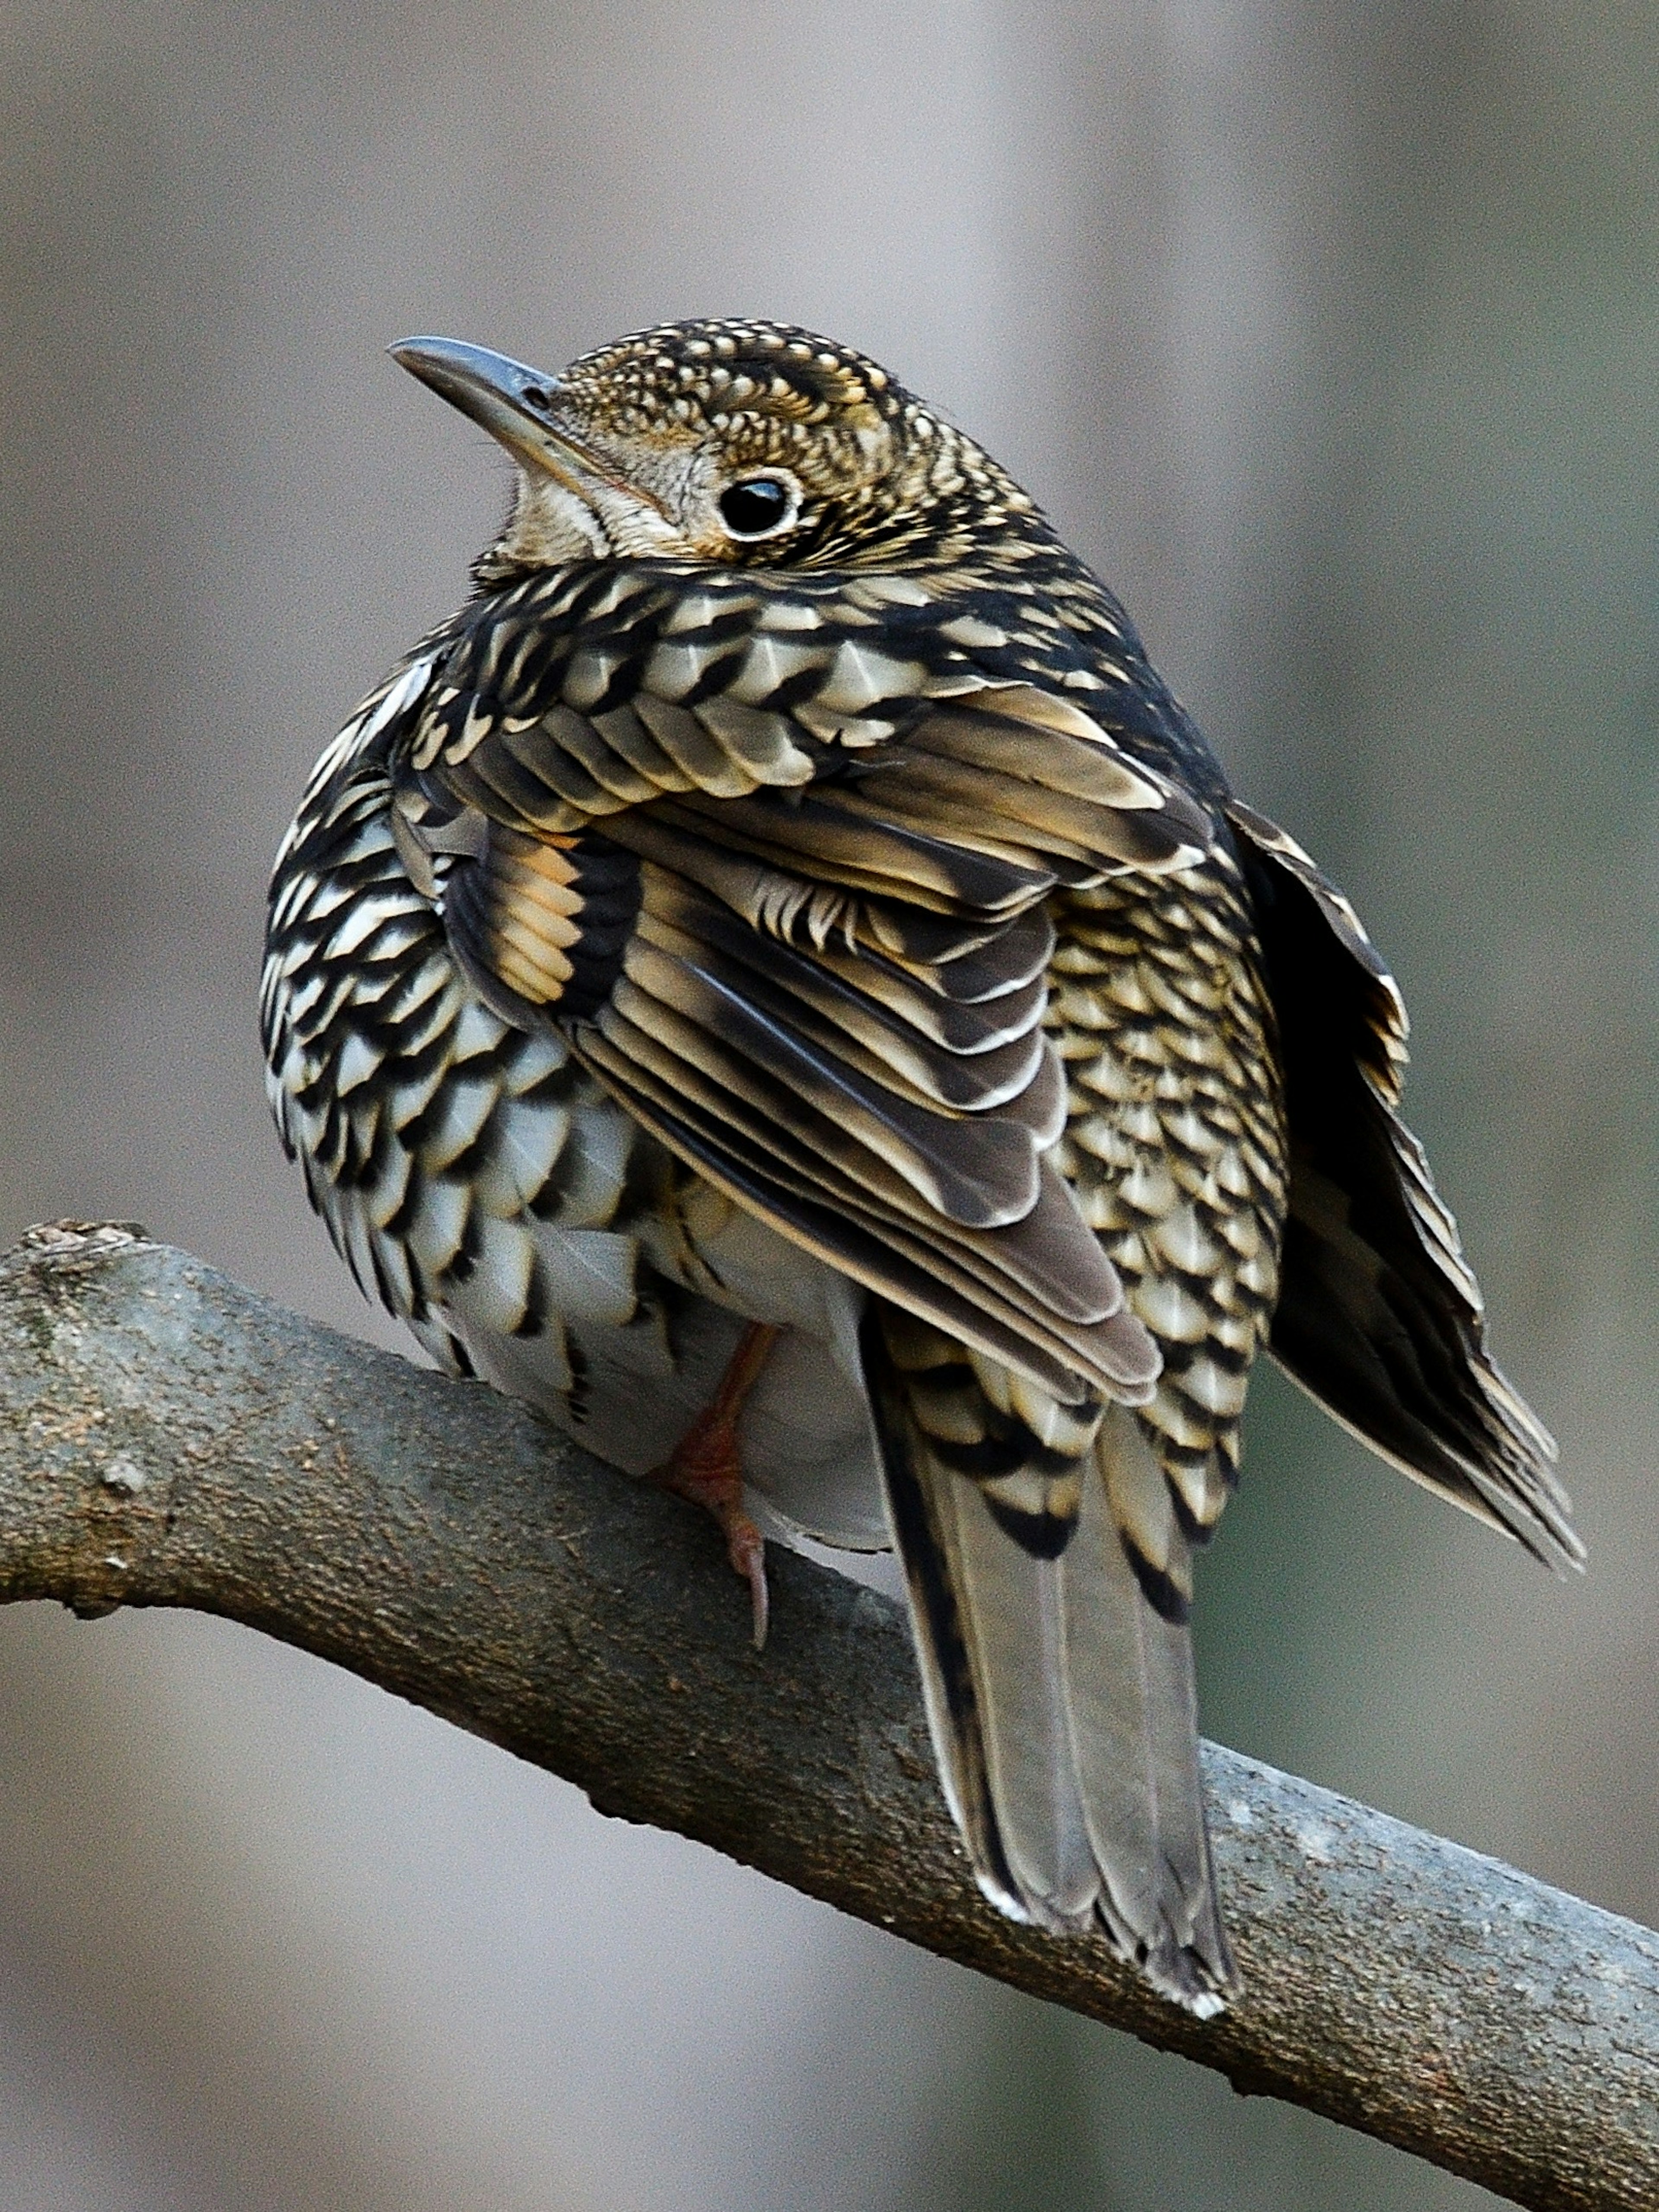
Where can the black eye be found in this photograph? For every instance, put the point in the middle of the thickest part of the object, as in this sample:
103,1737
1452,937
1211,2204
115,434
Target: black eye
756,506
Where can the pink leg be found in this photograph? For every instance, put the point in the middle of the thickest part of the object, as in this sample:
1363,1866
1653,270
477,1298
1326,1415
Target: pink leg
705,1467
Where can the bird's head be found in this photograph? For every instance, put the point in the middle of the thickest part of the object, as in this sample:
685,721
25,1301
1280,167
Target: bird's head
735,443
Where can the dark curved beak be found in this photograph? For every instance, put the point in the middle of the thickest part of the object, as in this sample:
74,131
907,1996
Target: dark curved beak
517,405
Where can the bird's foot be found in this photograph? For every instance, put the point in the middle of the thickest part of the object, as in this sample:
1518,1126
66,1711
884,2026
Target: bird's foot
706,1468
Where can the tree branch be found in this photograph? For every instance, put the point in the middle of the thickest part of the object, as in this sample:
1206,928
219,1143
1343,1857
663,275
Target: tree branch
167,1438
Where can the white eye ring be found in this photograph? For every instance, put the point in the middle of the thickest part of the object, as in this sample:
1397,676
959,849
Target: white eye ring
760,504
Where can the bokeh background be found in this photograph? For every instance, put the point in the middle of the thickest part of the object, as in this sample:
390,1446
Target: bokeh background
1331,332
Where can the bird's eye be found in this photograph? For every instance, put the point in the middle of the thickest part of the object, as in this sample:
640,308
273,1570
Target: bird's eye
757,507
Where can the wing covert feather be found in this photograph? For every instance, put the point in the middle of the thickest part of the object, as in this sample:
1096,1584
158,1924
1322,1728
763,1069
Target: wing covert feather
790,907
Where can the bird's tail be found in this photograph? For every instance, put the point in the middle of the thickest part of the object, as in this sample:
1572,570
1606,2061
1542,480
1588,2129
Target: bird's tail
1049,1578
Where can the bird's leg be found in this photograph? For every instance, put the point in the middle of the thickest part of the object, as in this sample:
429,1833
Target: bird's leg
705,1467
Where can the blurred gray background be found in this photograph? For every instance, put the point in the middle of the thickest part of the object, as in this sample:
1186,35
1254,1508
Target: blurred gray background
1332,333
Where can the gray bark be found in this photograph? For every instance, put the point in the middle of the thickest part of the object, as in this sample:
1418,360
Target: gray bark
167,1438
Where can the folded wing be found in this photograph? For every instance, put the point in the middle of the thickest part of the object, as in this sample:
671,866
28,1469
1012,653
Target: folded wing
784,893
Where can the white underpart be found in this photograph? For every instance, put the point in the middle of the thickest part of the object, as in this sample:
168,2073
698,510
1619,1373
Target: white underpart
808,1444
551,523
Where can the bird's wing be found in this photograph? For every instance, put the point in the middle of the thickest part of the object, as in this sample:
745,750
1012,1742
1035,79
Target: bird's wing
1379,1317
781,881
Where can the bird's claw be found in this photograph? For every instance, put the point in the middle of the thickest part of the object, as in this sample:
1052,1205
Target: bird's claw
704,1468
746,1547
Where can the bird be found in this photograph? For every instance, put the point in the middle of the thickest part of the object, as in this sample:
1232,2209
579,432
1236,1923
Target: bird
778,983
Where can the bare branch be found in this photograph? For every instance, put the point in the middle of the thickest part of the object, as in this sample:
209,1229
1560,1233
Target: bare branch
167,1439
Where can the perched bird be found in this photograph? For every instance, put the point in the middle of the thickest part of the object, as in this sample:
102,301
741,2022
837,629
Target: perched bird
779,983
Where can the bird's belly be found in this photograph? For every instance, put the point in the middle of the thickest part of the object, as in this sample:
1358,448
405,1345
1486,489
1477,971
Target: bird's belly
483,1184
646,1277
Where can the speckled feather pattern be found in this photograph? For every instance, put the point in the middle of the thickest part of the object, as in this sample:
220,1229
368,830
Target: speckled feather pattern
849,931
1176,1146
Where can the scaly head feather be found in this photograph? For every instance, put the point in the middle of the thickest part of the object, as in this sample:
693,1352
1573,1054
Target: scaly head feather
737,443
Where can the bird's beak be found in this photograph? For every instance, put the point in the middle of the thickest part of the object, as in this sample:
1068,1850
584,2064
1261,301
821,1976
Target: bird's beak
517,405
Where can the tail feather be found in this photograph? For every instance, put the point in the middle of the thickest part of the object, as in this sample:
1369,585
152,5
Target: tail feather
1055,1663
1011,1611
1134,1707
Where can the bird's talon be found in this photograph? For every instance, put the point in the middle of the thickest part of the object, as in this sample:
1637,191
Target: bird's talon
746,1547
